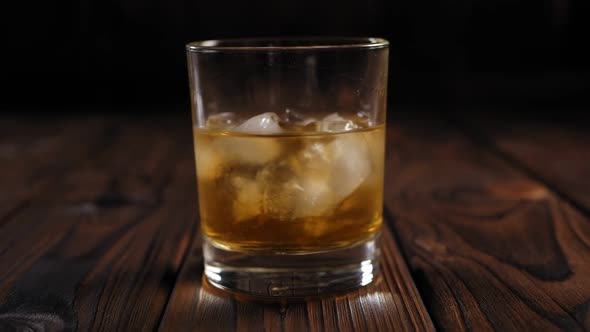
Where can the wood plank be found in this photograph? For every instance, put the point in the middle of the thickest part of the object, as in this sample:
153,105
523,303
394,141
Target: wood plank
99,247
391,302
553,151
490,247
80,196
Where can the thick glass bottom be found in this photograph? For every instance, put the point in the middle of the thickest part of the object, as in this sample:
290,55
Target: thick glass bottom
292,275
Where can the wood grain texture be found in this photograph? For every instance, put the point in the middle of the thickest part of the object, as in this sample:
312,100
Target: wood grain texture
98,231
101,239
490,247
390,304
556,152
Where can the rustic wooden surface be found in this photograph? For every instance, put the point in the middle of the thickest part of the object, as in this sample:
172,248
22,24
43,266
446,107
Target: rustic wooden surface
99,231
96,229
491,246
557,155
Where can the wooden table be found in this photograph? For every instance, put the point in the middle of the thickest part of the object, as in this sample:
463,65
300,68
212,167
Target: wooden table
486,229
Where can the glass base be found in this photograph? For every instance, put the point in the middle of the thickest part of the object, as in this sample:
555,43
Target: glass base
285,275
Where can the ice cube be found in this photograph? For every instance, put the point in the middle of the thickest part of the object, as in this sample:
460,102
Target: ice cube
292,191
262,124
328,173
247,150
248,201
222,121
351,164
279,190
335,123
280,199
314,198
312,162
297,198
209,163
251,150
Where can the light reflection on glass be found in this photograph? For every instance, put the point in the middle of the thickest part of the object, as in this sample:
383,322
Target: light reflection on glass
213,273
367,270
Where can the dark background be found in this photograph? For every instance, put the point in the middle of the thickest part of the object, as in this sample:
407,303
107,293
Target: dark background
501,54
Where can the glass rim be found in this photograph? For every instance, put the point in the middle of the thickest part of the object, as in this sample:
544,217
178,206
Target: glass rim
286,44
